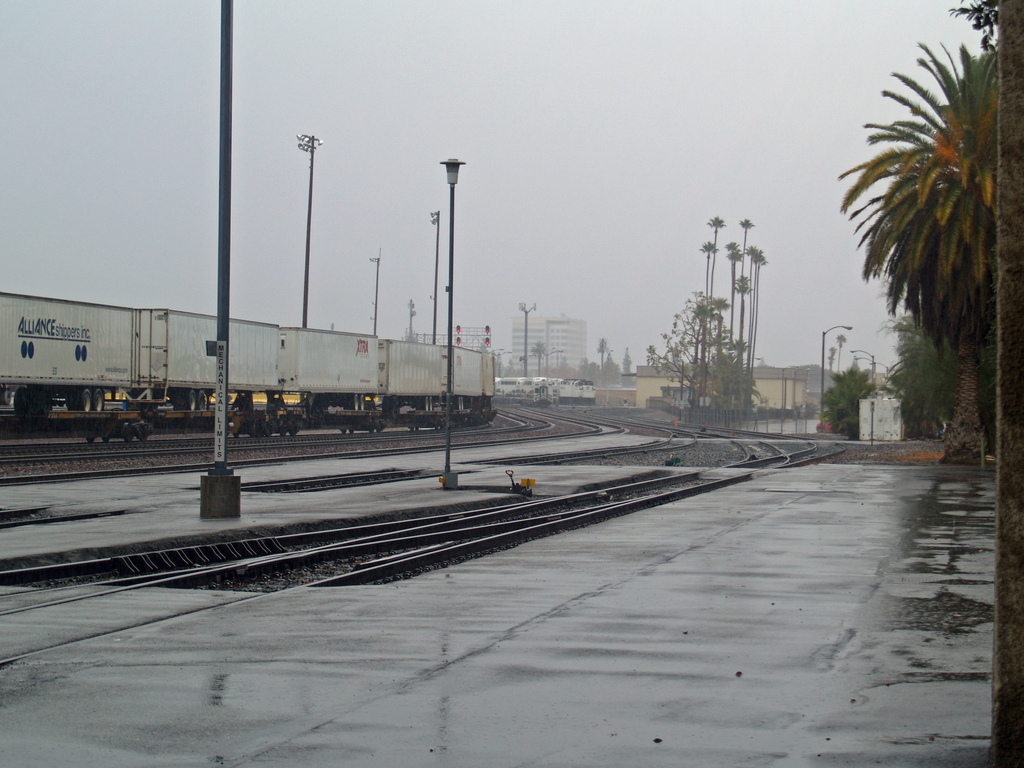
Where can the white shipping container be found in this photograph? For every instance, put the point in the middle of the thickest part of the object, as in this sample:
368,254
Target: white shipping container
467,372
881,419
488,375
327,361
170,351
52,341
408,368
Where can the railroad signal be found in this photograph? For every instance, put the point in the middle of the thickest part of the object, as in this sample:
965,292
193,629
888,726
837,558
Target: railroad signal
487,335
458,330
458,341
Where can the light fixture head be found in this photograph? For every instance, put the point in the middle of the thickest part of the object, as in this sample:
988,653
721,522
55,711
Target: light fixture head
308,143
452,166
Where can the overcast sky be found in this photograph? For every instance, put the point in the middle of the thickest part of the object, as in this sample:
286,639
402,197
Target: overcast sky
599,138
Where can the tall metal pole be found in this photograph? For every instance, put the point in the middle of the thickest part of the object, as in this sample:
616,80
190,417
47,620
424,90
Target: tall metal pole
452,167
376,292
220,447
526,338
308,144
435,219
220,491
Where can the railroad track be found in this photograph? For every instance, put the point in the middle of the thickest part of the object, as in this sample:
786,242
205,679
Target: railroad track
364,553
348,447
359,554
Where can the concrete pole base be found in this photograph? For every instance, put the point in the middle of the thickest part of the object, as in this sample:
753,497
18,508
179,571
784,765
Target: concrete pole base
450,481
220,496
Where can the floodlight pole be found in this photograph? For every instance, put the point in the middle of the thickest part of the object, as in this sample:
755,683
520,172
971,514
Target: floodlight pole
376,292
308,144
452,166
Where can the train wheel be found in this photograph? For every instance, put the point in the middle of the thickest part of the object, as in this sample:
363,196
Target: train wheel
193,400
90,439
204,401
99,399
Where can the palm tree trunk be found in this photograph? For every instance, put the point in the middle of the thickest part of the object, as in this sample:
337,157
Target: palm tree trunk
732,301
753,315
964,434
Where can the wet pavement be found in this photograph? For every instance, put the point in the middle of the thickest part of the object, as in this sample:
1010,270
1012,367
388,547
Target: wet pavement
834,615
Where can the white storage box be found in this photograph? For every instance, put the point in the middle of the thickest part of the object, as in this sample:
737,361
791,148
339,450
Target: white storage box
51,341
327,361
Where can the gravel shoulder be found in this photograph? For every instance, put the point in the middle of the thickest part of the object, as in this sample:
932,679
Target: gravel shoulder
907,452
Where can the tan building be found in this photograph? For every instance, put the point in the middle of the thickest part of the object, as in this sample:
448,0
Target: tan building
772,385
651,385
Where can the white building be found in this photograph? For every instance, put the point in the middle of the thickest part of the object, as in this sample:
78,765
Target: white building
558,333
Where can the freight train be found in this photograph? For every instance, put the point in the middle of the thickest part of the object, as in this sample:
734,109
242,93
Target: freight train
153,364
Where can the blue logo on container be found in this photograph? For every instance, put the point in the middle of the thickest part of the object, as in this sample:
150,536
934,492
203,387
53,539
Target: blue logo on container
28,349
81,352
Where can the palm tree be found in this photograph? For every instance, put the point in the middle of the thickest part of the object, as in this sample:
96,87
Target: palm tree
709,250
840,340
931,232
757,260
831,358
603,349
718,307
747,225
538,350
716,223
742,288
735,255
841,403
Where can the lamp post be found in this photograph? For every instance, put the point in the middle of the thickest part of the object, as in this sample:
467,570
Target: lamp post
821,405
376,291
452,167
526,337
861,351
308,144
435,219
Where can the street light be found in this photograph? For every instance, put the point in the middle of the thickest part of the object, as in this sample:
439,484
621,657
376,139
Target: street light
526,338
547,359
376,291
821,405
452,167
308,144
435,219
854,351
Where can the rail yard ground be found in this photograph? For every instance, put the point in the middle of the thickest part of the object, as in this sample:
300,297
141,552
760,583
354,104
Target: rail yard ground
835,614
